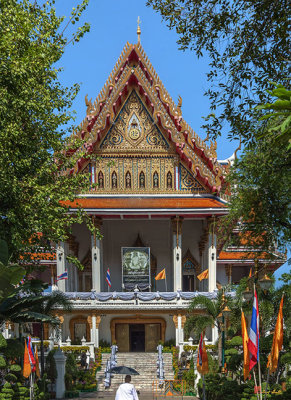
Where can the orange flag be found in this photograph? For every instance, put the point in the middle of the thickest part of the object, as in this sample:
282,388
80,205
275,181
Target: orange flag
26,363
245,339
161,275
203,275
277,341
37,371
250,274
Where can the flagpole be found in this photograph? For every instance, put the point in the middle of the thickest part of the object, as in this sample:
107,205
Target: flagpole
256,384
204,395
166,281
30,389
267,383
260,379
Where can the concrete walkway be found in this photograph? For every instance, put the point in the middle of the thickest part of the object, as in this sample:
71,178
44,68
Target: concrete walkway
148,396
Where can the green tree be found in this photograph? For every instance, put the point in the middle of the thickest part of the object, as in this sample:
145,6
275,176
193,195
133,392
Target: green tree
52,301
209,316
34,120
248,44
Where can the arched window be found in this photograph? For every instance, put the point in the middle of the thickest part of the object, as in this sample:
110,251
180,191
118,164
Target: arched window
128,180
114,180
169,180
156,180
141,180
100,180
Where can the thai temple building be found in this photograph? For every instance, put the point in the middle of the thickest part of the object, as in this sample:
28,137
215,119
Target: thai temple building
157,194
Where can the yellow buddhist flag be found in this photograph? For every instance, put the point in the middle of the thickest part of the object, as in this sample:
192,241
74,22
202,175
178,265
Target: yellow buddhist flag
26,363
277,341
37,371
203,275
161,275
250,273
245,339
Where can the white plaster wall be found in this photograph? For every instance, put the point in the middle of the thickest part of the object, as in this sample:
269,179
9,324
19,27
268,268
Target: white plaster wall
221,276
239,272
83,237
155,234
191,233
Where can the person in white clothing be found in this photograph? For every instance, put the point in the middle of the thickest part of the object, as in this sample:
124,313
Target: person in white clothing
126,390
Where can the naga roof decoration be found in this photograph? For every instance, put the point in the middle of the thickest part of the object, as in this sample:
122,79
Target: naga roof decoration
133,69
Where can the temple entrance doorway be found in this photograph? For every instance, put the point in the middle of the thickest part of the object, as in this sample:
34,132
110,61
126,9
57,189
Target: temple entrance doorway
137,337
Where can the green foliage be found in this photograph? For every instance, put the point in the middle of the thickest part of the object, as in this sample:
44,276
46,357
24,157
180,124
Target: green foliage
15,368
248,45
74,349
11,378
20,392
71,372
2,362
35,120
104,343
7,392
14,349
3,342
50,366
261,196
280,118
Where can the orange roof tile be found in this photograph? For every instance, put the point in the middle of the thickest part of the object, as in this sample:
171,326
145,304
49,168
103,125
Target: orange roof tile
145,203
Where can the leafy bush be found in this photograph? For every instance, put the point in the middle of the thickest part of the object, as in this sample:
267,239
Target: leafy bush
14,349
50,367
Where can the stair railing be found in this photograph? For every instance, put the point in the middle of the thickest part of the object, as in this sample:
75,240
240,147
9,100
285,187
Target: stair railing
160,365
111,362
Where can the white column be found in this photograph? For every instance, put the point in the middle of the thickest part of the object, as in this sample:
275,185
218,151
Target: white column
214,334
96,259
60,360
175,320
177,253
211,262
61,265
96,319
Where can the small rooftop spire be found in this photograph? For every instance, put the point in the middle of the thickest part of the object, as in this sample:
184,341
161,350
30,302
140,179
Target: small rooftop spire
138,29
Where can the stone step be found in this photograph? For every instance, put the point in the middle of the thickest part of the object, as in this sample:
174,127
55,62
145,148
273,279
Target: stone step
144,363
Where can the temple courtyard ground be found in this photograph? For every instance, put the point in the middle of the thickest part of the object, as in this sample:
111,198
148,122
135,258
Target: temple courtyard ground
144,396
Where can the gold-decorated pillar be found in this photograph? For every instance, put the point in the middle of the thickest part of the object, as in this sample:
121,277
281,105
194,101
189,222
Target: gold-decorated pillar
212,256
177,252
96,256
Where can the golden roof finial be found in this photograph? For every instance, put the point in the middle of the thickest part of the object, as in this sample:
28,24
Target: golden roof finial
138,29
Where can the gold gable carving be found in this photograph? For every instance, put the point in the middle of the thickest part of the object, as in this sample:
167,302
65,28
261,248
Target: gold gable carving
133,130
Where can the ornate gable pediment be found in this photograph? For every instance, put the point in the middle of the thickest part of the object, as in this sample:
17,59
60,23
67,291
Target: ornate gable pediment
143,142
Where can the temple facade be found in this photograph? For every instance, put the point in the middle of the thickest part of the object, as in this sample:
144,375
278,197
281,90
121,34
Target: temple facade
157,194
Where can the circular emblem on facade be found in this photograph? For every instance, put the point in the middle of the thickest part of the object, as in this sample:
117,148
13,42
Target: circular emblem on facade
134,133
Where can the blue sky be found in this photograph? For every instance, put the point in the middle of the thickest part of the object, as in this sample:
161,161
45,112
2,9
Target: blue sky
113,23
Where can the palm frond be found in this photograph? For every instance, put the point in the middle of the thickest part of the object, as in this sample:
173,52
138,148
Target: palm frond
205,303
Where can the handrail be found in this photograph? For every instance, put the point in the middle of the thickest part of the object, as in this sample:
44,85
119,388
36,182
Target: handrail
160,365
109,365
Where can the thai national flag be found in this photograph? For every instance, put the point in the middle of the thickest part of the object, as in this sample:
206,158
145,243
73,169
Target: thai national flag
254,334
31,354
108,280
64,275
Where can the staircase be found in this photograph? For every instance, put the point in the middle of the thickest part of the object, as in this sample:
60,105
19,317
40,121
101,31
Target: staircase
144,363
